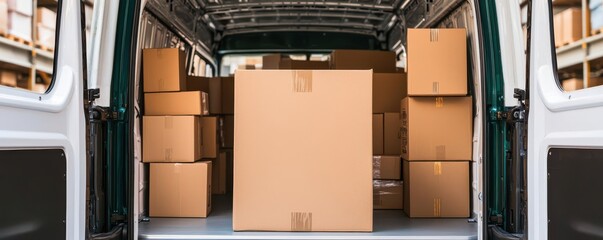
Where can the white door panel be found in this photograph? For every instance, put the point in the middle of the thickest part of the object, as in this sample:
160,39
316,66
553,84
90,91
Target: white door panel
55,120
556,119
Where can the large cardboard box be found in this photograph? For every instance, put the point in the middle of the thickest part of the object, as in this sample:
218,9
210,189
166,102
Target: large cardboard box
213,88
176,103
19,25
572,25
379,61
210,145
436,128
388,90
171,138
387,194
219,174
391,133
387,167
24,7
46,17
163,70
294,131
436,189
437,62
227,131
180,189
377,134
227,95
3,17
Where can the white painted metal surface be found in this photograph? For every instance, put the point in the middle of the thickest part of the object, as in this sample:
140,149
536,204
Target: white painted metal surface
55,120
556,118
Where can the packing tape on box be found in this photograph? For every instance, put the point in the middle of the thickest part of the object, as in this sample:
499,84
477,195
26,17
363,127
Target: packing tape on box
377,167
204,99
434,35
301,221
440,152
437,168
302,81
435,87
383,188
437,207
439,102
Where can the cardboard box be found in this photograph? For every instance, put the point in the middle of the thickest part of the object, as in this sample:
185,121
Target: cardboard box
164,70
213,88
3,17
176,103
171,138
290,146
19,25
387,194
572,84
436,128
247,67
8,78
379,61
180,189
210,143
436,189
227,131
437,62
278,61
388,90
377,134
387,167
391,134
227,95
45,36
46,18
24,7
572,25
558,29
219,174
271,61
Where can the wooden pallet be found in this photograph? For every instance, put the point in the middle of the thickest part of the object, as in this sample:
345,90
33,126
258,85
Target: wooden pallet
19,40
44,47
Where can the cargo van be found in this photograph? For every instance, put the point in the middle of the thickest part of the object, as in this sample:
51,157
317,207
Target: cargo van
72,159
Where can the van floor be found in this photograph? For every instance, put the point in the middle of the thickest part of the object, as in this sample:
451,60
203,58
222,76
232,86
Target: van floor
387,224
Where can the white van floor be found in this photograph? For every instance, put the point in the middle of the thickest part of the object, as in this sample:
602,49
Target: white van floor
387,224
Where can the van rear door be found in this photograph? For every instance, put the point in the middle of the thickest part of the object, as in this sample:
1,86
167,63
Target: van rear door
42,141
565,145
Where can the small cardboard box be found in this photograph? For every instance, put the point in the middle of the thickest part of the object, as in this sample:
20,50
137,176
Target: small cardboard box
176,103
391,133
210,143
387,167
213,88
291,141
377,134
436,189
227,95
436,128
163,70
378,61
387,194
388,90
47,18
171,139
180,189
437,62
219,174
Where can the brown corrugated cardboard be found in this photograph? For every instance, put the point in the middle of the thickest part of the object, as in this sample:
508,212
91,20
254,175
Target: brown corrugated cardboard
210,137
387,194
227,95
595,81
572,84
572,25
171,139
391,133
176,103
227,131
436,128
388,90
377,134
3,17
436,189
291,141
180,189
558,24
163,70
387,167
271,61
437,62
379,61
47,17
8,78
213,88
219,174
278,61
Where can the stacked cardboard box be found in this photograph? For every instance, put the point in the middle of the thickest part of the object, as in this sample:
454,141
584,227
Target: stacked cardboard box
568,26
176,135
19,17
46,27
279,61
436,125
574,84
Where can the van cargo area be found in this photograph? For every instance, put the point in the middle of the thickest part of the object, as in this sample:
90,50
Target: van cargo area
317,46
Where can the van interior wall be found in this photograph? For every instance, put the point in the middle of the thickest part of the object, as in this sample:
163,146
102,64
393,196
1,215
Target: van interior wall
154,34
